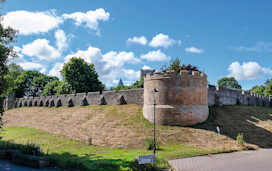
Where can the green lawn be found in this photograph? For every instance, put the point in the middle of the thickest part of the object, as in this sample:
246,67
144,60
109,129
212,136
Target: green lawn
67,153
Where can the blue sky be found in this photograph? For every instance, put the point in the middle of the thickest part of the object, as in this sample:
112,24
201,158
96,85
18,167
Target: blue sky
223,38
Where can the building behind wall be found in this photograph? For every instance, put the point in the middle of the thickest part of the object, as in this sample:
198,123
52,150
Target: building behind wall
146,71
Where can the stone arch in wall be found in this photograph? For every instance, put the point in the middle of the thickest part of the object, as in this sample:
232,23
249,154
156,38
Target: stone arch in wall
121,100
84,102
103,101
52,103
59,103
25,103
46,103
40,103
30,103
35,103
20,104
70,102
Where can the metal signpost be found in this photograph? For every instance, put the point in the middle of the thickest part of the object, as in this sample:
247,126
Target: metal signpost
218,130
154,145
151,158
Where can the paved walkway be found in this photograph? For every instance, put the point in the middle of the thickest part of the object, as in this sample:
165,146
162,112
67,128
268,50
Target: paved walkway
260,160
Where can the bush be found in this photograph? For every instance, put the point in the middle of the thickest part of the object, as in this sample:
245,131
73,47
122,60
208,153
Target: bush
24,148
240,141
90,141
135,166
149,143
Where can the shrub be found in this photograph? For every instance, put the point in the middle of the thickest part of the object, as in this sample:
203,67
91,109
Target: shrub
149,144
90,141
240,141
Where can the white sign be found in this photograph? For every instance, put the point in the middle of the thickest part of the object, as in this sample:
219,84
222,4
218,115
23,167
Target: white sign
218,129
146,159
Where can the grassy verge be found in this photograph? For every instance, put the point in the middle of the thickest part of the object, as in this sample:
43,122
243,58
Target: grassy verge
67,153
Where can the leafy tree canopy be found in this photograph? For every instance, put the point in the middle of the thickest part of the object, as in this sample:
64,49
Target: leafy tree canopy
268,90
177,67
31,83
81,76
258,89
267,82
7,36
64,88
13,72
229,82
51,88
264,89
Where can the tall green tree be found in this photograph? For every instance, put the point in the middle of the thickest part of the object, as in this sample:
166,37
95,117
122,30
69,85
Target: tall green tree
268,90
81,76
13,73
258,89
51,88
229,82
7,36
64,88
31,83
267,82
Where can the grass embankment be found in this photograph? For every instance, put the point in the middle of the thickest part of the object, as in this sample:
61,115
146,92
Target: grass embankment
68,153
119,132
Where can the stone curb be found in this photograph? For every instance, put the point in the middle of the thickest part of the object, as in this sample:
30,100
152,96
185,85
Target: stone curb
24,159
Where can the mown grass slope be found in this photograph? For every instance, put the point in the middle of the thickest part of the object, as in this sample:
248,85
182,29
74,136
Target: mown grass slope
119,132
112,126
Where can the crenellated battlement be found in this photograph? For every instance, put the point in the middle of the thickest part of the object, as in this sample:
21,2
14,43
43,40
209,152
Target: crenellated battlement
172,75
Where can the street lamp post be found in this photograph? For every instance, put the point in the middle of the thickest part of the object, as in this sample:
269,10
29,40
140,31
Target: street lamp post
154,145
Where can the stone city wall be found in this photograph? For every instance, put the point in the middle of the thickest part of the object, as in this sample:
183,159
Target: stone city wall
134,96
218,96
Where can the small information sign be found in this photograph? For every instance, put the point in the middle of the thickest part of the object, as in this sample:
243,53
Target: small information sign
146,159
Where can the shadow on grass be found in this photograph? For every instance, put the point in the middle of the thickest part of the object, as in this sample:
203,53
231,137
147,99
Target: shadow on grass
240,119
71,161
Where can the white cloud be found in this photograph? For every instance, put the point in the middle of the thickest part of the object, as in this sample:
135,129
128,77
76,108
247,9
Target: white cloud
90,18
162,40
131,74
146,67
31,22
43,70
41,49
119,59
55,71
30,65
61,40
91,55
155,56
194,50
138,40
259,47
247,71
109,66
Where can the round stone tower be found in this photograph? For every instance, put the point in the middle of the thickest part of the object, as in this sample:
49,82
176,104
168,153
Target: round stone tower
182,98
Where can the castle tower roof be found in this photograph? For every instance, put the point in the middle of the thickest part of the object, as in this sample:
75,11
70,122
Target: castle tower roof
120,82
